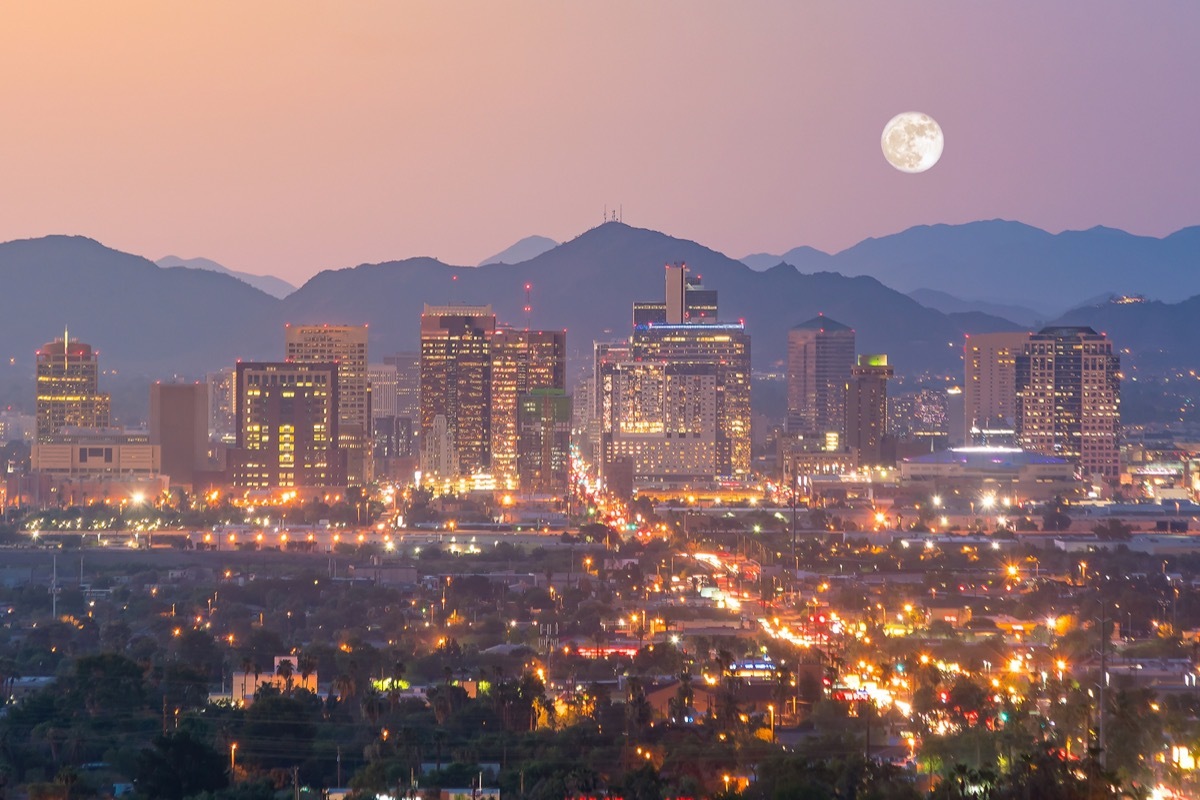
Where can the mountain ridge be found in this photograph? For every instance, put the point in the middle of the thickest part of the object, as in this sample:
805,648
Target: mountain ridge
163,322
1009,262
276,287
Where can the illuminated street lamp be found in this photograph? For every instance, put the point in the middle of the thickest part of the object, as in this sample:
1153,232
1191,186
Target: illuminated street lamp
233,759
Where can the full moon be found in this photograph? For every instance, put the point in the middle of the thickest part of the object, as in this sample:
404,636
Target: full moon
912,142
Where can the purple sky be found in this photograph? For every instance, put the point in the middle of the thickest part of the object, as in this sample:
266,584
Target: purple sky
286,138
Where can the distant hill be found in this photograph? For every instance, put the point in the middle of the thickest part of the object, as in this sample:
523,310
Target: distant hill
142,318
1161,336
949,304
805,259
276,287
588,285
527,248
1012,263
979,322
159,322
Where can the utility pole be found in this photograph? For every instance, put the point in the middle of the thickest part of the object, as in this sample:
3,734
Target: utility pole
795,563
1103,687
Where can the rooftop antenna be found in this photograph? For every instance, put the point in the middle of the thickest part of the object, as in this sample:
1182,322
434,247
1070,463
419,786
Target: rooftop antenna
528,305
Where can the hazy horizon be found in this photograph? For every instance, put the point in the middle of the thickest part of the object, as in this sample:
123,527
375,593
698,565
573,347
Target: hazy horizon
284,143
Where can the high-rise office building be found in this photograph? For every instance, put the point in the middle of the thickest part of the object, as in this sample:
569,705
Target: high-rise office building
725,347
1069,398
866,423
456,384
820,357
674,404
990,372
385,386
346,346
408,383
522,361
222,405
661,419
179,426
393,438
287,427
544,444
68,393
686,300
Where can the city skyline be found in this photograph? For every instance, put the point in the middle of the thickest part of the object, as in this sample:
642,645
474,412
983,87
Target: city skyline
373,133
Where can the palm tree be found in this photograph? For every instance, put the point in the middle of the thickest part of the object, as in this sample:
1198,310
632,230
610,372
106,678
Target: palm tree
306,665
394,685
344,686
638,711
247,668
285,669
370,705
677,706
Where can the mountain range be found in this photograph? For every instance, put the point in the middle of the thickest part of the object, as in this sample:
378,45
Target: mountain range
525,249
276,287
158,322
1003,262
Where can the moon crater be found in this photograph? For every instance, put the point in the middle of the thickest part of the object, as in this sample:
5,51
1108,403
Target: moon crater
912,142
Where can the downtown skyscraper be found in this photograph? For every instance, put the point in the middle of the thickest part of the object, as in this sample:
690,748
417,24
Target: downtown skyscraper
819,360
345,346
1068,387
523,361
68,394
456,387
674,405
287,428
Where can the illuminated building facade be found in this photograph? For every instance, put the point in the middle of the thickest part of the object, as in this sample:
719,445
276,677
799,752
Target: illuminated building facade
866,409
68,388
385,397
456,386
678,405
345,346
820,357
84,466
674,404
722,349
408,383
1003,472
662,418
287,427
222,405
1069,398
990,373
544,443
522,361
686,300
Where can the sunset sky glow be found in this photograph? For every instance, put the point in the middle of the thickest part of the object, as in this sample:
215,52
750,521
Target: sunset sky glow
286,138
